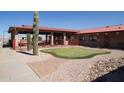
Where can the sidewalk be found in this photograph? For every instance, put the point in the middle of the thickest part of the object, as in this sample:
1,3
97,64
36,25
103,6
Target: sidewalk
13,67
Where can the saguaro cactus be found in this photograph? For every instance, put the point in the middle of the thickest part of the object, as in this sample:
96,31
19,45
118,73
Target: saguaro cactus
35,33
29,42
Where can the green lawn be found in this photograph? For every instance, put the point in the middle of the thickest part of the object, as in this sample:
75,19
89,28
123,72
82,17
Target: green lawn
74,53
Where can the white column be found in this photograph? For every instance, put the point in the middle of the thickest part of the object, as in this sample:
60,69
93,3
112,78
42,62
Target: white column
46,38
64,35
52,39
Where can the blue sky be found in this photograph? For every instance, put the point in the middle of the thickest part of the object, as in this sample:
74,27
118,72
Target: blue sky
72,20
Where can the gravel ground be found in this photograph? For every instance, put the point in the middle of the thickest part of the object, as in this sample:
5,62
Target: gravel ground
107,71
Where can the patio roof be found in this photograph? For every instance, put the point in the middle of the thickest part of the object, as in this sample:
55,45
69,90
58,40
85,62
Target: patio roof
26,28
113,28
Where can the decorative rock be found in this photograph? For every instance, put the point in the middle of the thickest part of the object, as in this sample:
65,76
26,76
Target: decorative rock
101,68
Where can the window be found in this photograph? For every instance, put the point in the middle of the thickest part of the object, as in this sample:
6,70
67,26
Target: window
88,38
93,38
83,38
72,37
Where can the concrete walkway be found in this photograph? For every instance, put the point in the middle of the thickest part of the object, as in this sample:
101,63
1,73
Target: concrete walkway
13,67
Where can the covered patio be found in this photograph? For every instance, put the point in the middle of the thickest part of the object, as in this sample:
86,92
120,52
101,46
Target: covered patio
52,36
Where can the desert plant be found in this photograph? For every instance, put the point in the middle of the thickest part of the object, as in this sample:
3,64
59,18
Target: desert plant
35,32
29,42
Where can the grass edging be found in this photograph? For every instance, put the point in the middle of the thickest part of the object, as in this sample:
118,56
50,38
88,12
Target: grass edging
89,56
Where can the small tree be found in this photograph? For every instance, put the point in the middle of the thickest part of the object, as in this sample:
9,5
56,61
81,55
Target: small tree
29,42
35,33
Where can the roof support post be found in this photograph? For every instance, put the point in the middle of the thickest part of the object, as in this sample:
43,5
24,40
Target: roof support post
64,38
52,39
14,38
46,38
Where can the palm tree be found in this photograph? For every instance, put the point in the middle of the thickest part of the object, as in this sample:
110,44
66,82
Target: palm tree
35,33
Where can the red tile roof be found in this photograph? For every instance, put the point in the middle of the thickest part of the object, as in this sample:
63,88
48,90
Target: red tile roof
102,29
41,28
82,31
